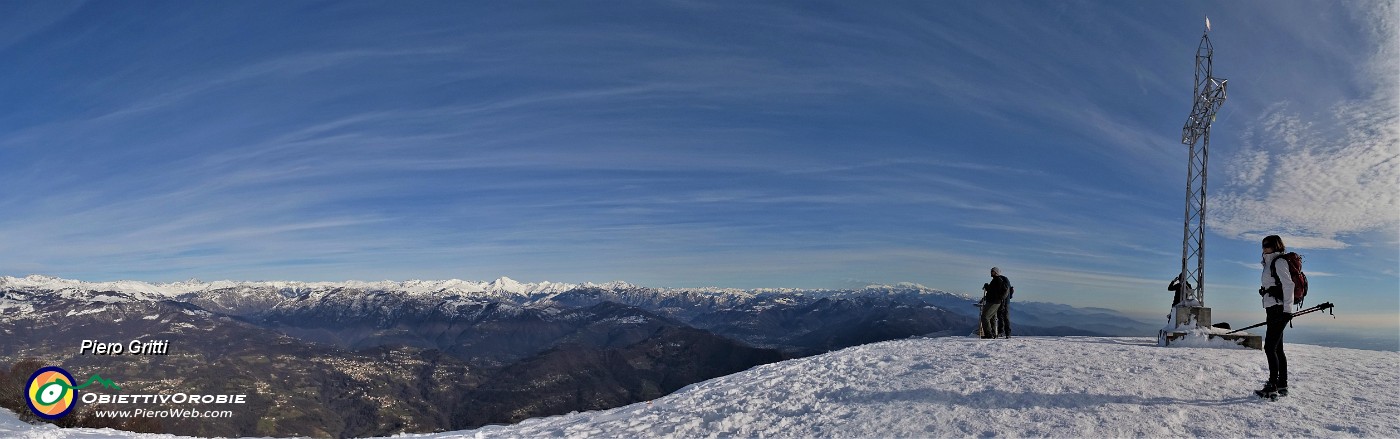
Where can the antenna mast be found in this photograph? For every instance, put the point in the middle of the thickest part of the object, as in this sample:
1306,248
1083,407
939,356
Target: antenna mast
1190,312
1209,96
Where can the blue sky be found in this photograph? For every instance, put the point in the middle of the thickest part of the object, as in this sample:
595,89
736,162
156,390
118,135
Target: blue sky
679,143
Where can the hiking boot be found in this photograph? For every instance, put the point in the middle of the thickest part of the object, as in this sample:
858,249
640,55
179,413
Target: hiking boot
1268,388
1281,389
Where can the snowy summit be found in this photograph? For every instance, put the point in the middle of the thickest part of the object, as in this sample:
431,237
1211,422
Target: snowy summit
1029,386
960,387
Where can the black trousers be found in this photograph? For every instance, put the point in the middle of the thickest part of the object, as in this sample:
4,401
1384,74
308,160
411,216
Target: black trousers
1277,318
1004,319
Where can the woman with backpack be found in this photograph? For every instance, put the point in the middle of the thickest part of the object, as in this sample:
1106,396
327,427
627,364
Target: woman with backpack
1276,290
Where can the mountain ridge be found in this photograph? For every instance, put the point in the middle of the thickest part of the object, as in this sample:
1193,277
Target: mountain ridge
593,345
502,284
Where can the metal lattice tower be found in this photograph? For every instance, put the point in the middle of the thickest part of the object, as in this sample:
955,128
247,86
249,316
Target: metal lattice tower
1209,95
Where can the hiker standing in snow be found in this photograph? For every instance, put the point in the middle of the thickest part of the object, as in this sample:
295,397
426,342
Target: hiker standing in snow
1276,290
996,294
981,307
1004,312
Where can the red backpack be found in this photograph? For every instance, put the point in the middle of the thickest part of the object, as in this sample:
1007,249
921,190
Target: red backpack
1295,272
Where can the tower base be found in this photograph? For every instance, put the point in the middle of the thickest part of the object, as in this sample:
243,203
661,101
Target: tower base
1192,316
1247,340
1196,319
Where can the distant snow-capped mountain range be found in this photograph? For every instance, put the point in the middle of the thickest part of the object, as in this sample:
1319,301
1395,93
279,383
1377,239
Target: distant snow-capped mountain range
575,347
264,298
503,285
500,286
454,291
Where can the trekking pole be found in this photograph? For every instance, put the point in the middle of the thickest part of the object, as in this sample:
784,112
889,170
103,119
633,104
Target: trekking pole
1323,306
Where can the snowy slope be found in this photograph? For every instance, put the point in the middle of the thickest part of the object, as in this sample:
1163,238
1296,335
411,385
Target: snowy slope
1079,386
959,387
1084,387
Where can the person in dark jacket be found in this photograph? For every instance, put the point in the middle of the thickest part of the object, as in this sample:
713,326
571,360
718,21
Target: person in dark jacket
996,294
1182,293
1178,293
1004,312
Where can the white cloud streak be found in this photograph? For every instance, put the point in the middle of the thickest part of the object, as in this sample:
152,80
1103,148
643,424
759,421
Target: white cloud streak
1320,179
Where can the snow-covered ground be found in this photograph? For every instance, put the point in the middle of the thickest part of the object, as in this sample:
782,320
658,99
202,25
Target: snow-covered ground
1032,386
1062,387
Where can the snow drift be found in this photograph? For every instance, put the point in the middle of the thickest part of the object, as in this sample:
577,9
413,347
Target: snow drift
1032,386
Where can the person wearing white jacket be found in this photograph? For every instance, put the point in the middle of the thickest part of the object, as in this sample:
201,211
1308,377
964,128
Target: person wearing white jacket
1276,292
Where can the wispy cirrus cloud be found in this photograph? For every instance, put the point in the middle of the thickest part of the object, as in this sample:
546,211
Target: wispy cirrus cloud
740,144
1322,177
24,20
1316,186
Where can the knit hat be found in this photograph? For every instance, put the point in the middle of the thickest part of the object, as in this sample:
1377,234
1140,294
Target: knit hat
996,271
